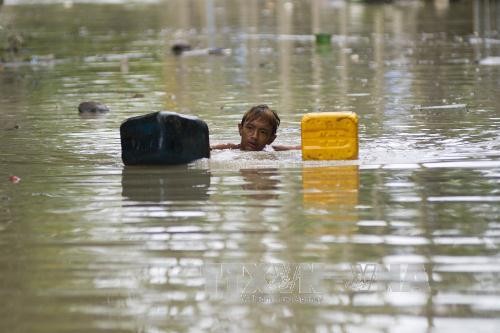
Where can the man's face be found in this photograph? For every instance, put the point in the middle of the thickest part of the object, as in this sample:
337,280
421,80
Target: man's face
256,134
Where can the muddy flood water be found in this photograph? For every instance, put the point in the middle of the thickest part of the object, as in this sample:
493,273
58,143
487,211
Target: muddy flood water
405,239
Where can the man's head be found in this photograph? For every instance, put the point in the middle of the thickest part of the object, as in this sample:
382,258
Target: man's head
258,127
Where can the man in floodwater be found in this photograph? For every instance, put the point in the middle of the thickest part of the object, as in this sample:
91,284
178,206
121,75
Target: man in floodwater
257,130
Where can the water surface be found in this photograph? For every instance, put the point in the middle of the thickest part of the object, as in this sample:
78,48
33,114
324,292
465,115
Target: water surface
88,245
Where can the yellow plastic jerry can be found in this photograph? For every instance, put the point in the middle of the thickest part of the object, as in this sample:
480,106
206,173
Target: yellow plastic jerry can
329,136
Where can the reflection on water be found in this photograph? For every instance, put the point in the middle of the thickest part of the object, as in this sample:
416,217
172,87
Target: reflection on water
89,245
330,195
174,183
331,187
260,184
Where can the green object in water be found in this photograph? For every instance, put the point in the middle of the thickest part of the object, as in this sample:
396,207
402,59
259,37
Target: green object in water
323,38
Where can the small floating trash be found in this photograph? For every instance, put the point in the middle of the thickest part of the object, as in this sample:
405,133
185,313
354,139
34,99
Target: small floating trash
207,51
219,51
92,107
14,179
481,40
164,138
323,38
180,47
444,107
358,94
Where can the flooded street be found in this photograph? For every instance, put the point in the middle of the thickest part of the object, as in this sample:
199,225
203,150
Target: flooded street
405,239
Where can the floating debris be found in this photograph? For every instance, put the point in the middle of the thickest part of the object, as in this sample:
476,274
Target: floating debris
490,61
219,51
323,38
14,179
357,94
180,47
208,51
479,40
92,107
444,107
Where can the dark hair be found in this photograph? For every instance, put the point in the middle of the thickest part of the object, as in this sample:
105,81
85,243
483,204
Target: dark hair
262,111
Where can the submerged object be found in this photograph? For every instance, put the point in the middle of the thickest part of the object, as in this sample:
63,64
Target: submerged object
92,107
329,136
163,138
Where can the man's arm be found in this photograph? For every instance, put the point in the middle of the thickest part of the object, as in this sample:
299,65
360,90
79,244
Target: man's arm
225,146
281,148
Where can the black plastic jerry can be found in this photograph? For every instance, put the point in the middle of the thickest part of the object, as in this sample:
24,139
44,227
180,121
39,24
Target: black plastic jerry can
164,138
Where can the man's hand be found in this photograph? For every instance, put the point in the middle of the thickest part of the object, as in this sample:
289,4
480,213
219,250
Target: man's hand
281,148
